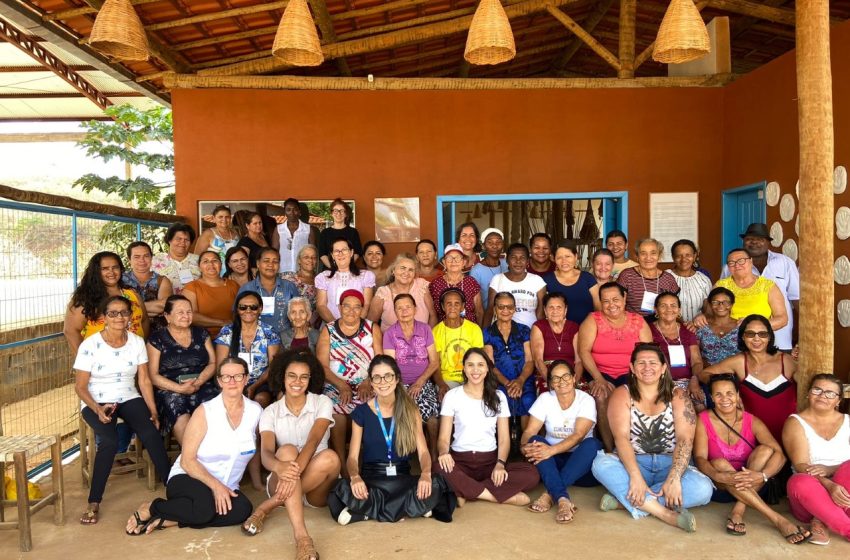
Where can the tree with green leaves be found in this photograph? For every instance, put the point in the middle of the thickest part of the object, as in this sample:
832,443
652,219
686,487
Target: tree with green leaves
122,138
126,138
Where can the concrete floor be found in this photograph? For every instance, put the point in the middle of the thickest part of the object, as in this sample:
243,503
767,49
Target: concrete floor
479,530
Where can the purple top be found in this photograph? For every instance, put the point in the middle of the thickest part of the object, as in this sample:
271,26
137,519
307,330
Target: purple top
411,355
687,339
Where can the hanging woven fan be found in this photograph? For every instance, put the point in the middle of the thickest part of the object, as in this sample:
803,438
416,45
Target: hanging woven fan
570,220
589,229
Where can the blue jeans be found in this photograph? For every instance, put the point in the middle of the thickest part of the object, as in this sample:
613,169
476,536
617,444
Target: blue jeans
571,468
609,470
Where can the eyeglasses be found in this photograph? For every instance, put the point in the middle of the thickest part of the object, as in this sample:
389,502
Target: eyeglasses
348,307
338,211
340,251
721,303
248,307
738,262
230,378
817,391
305,378
454,258
114,314
505,306
560,380
761,334
379,379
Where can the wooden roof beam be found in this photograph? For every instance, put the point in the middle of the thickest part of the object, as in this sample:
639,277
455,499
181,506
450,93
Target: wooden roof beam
590,23
386,40
326,26
626,42
756,10
586,37
211,16
37,52
60,15
193,81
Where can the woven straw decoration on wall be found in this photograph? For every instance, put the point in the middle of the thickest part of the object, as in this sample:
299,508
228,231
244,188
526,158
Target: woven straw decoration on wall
682,36
490,39
118,32
297,41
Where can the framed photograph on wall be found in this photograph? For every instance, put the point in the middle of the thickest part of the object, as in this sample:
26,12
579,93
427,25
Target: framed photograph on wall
315,212
397,220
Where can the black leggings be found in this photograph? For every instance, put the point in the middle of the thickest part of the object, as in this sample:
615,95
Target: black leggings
137,416
191,503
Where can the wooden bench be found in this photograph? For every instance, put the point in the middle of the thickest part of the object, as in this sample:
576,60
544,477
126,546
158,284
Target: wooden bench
140,460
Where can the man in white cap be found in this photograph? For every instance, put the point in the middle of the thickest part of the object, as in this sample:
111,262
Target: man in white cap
781,270
493,263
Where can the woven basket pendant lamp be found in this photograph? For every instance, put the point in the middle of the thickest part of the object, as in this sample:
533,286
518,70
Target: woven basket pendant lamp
118,32
682,36
297,41
490,39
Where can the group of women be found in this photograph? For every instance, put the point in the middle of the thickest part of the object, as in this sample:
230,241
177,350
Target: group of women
582,378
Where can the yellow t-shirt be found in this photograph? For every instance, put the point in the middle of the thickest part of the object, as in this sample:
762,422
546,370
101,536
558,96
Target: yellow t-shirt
749,301
135,320
452,344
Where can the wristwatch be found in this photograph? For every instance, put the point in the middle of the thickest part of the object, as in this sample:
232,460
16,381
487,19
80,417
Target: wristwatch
764,475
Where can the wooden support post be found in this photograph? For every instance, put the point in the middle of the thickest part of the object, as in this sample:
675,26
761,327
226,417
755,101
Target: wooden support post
58,481
326,26
628,13
24,529
817,208
588,39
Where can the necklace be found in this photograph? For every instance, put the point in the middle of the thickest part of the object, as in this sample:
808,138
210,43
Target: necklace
561,338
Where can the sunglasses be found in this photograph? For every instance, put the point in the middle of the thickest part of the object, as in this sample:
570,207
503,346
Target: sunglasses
247,307
761,334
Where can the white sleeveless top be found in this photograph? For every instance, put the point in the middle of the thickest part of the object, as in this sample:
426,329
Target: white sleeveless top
827,452
225,452
291,244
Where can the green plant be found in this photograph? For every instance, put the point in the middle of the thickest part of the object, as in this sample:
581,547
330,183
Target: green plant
123,139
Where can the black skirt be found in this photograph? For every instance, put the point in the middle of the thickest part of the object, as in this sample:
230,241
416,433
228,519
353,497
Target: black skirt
391,498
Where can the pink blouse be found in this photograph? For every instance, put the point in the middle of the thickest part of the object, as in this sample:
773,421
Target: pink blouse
417,290
612,348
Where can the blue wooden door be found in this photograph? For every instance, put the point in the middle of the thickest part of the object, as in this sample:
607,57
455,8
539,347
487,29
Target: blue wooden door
741,207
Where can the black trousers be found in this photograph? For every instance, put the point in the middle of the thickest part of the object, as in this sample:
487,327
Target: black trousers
190,503
136,415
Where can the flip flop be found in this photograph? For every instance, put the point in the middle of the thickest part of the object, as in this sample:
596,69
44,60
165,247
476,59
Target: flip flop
738,529
89,517
819,535
140,524
801,532
686,521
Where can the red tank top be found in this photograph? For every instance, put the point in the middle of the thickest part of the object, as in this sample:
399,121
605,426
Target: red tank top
771,403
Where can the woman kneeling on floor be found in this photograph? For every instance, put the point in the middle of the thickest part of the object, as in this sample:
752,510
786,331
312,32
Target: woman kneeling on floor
203,487
736,450
564,456
294,432
388,431
653,423
476,464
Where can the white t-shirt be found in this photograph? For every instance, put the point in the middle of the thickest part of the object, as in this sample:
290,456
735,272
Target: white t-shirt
560,423
113,370
475,429
293,430
525,294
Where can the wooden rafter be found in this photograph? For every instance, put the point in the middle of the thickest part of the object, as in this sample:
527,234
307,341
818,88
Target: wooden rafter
760,11
589,25
586,37
193,81
37,52
212,16
76,12
628,13
386,40
326,26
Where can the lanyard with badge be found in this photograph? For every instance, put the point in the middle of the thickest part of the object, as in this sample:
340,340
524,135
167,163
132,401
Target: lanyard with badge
268,303
676,351
647,302
388,437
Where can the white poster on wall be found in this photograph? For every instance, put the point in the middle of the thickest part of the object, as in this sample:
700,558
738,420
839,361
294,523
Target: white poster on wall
673,216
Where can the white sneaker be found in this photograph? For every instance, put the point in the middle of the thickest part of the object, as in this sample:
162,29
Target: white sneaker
344,517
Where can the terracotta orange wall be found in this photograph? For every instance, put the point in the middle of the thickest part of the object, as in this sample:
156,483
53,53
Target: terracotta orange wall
268,145
761,142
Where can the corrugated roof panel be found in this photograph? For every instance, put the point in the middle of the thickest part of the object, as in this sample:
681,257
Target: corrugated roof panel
33,82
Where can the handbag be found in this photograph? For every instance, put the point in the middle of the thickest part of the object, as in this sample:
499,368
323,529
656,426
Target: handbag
770,491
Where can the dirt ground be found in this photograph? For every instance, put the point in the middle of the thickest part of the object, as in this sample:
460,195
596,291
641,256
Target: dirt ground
479,530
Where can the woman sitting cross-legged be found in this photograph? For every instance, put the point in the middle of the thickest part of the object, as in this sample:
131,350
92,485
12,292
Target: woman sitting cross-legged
653,423
476,463
203,487
564,456
294,432
818,444
387,431
736,450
